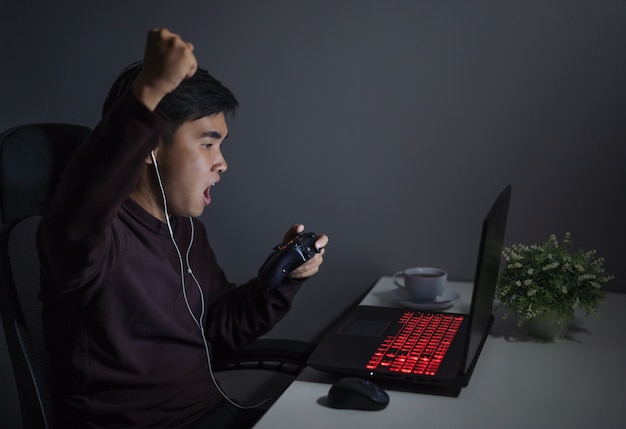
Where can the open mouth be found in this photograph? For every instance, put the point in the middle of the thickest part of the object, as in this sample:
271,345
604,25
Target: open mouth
207,195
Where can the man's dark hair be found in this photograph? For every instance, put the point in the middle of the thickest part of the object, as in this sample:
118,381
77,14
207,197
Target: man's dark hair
199,96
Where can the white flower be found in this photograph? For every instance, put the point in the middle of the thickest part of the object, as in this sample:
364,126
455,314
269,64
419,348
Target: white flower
550,266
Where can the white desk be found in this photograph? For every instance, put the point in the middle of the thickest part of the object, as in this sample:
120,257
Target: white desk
518,382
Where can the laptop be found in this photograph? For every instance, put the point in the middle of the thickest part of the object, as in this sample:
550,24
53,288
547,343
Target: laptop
420,347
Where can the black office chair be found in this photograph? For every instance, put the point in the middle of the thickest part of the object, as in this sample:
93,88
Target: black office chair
32,159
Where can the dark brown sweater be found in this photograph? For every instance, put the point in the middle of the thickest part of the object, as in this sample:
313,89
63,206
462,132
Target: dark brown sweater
124,348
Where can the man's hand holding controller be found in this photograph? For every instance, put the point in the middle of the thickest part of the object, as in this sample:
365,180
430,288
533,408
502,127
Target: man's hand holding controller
299,257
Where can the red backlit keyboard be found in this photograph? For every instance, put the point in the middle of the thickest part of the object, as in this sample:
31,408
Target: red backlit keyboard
419,346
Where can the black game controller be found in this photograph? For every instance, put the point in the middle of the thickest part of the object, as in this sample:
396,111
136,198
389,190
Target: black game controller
286,258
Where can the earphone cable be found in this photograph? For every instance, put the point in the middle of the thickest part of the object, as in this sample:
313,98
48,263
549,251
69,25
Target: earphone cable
198,321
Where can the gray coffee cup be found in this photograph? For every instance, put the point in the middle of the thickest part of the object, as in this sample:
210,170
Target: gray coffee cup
422,283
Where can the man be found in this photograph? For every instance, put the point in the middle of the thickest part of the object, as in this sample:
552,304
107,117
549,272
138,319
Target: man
133,295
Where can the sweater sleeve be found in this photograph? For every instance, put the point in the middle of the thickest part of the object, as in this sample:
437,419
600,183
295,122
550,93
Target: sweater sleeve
100,176
237,315
248,312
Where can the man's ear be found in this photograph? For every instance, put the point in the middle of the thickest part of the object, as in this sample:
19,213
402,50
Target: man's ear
150,159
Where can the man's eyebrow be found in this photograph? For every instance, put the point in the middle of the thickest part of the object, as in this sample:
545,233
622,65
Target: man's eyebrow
212,134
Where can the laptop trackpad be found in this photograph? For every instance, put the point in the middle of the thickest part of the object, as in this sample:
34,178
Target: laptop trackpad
363,327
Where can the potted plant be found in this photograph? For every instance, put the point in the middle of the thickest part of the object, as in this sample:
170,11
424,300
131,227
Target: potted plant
547,282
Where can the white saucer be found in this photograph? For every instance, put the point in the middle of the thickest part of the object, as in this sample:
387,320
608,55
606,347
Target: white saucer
445,300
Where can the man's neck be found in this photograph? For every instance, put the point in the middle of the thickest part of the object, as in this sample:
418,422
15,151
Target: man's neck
147,201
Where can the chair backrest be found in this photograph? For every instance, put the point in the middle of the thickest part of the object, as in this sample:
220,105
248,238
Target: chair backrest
32,159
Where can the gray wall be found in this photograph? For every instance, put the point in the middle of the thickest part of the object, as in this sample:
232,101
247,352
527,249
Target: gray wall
389,125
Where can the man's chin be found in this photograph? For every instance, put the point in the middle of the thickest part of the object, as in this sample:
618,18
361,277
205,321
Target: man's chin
198,212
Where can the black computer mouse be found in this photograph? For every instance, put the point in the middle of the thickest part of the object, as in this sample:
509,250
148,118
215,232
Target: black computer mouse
357,394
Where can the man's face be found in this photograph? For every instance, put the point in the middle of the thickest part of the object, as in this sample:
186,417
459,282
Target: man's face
191,164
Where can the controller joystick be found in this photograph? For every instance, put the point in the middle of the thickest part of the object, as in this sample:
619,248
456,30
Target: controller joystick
286,258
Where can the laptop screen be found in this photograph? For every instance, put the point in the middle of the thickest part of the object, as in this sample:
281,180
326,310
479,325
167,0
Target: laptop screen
492,237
